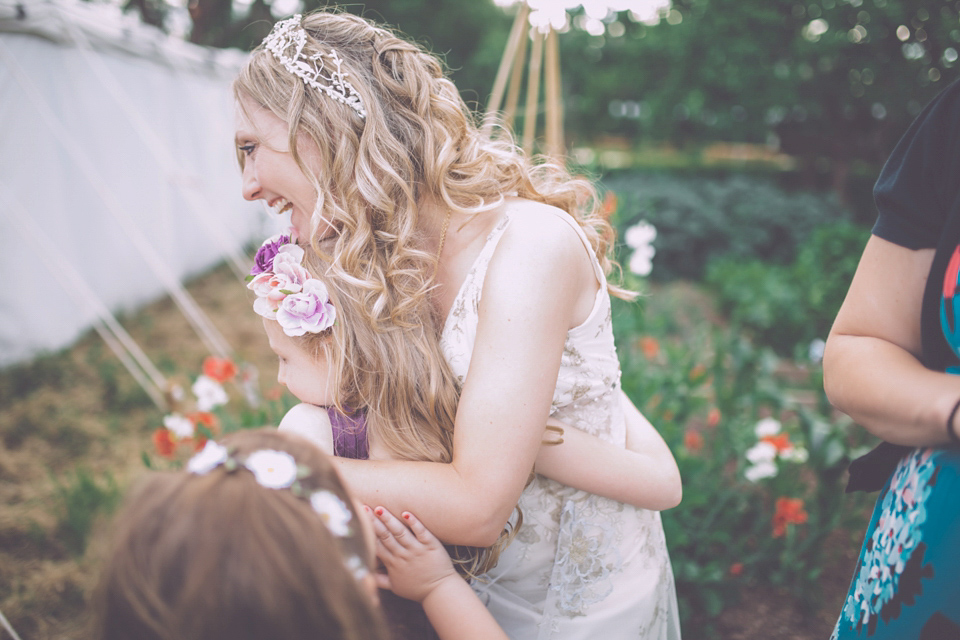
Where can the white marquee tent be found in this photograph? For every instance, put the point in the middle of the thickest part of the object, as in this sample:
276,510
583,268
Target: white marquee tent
118,177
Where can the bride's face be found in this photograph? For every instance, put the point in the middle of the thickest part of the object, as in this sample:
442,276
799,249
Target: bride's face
270,173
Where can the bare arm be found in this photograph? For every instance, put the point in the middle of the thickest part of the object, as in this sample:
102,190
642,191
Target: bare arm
644,474
871,369
418,568
311,422
529,302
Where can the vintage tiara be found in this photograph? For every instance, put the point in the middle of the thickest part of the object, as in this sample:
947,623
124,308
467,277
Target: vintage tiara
287,41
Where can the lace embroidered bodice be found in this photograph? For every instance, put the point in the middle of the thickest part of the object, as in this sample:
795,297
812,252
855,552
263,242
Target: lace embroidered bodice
580,566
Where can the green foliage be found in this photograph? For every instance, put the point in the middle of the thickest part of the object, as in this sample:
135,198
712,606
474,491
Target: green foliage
706,389
699,218
786,306
81,498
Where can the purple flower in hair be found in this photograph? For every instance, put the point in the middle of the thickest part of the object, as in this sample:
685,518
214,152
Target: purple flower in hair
263,261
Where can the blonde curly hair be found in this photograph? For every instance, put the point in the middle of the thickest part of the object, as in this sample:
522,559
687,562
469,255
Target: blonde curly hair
419,143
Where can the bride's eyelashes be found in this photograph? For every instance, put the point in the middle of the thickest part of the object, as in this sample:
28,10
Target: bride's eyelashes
247,148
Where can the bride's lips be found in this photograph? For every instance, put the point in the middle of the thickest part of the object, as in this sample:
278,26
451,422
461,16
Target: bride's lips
279,206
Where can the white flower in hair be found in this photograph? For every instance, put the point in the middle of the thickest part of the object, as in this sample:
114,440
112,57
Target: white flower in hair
179,425
209,392
209,458
332,511
272,469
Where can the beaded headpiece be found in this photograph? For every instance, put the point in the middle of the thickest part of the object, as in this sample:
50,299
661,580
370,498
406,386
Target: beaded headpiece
320,71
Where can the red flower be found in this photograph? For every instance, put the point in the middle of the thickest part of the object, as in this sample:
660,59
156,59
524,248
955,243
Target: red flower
163,442
788,511
650,347
609,206
220,369
203,419
713,417
736,568
781,441
697,372
693,441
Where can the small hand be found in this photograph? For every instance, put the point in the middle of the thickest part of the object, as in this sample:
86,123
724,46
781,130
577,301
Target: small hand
415,560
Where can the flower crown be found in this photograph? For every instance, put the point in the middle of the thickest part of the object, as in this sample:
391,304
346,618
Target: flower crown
286,43
285,290
279,470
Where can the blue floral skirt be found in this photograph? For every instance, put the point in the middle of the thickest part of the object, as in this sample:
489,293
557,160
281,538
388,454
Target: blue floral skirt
907,583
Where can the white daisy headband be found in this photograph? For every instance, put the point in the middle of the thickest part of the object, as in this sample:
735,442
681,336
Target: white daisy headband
321,70
274,469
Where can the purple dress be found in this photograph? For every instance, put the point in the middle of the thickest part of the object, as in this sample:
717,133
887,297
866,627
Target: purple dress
406,618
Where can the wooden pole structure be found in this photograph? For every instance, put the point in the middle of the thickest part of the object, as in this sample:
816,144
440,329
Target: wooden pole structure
533,93
554,109
518,35
545,51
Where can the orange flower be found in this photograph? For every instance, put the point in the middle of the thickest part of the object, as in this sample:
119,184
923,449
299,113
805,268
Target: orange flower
781,441
609,206
713,417
788,511
736,568
693,441
650,347
697,372
163,442
203,419
220,369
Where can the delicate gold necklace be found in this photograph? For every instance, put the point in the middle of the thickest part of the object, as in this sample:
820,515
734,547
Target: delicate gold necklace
443,235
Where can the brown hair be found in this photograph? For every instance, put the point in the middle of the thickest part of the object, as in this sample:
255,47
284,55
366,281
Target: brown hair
204,557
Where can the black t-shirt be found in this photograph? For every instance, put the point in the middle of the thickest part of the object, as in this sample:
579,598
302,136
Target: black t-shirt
918,201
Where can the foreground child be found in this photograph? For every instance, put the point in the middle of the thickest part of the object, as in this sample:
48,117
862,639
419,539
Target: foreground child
259,539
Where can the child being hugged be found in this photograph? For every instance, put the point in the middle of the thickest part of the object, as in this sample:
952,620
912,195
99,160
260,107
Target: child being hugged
258,538
387,392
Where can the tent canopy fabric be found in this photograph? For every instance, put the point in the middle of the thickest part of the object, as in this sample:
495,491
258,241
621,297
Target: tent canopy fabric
117,144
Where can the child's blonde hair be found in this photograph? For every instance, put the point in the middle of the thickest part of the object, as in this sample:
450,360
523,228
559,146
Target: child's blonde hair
417,144
398,375
218,556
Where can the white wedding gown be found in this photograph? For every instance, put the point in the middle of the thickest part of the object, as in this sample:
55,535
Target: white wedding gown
581,566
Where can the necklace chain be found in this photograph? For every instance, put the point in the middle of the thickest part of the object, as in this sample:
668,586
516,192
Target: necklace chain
443,235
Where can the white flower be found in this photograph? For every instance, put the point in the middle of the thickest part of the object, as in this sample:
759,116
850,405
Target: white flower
332,511
209,393
767,427
641,262
815,351
759,471
272,469
210,457
795,454
761,452
640,235
640,238
179,425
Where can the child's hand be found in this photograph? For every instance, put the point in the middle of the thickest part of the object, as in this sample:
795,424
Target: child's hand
416,562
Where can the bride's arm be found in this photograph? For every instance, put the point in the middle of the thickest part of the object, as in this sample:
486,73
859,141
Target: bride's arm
644,474
529,303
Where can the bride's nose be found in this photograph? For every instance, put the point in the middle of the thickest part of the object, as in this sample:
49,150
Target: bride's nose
250,185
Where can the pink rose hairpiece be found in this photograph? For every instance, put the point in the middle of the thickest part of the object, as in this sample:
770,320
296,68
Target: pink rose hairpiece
286,292
321,71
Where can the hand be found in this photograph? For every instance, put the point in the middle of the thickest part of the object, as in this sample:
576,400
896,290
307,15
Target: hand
416,562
